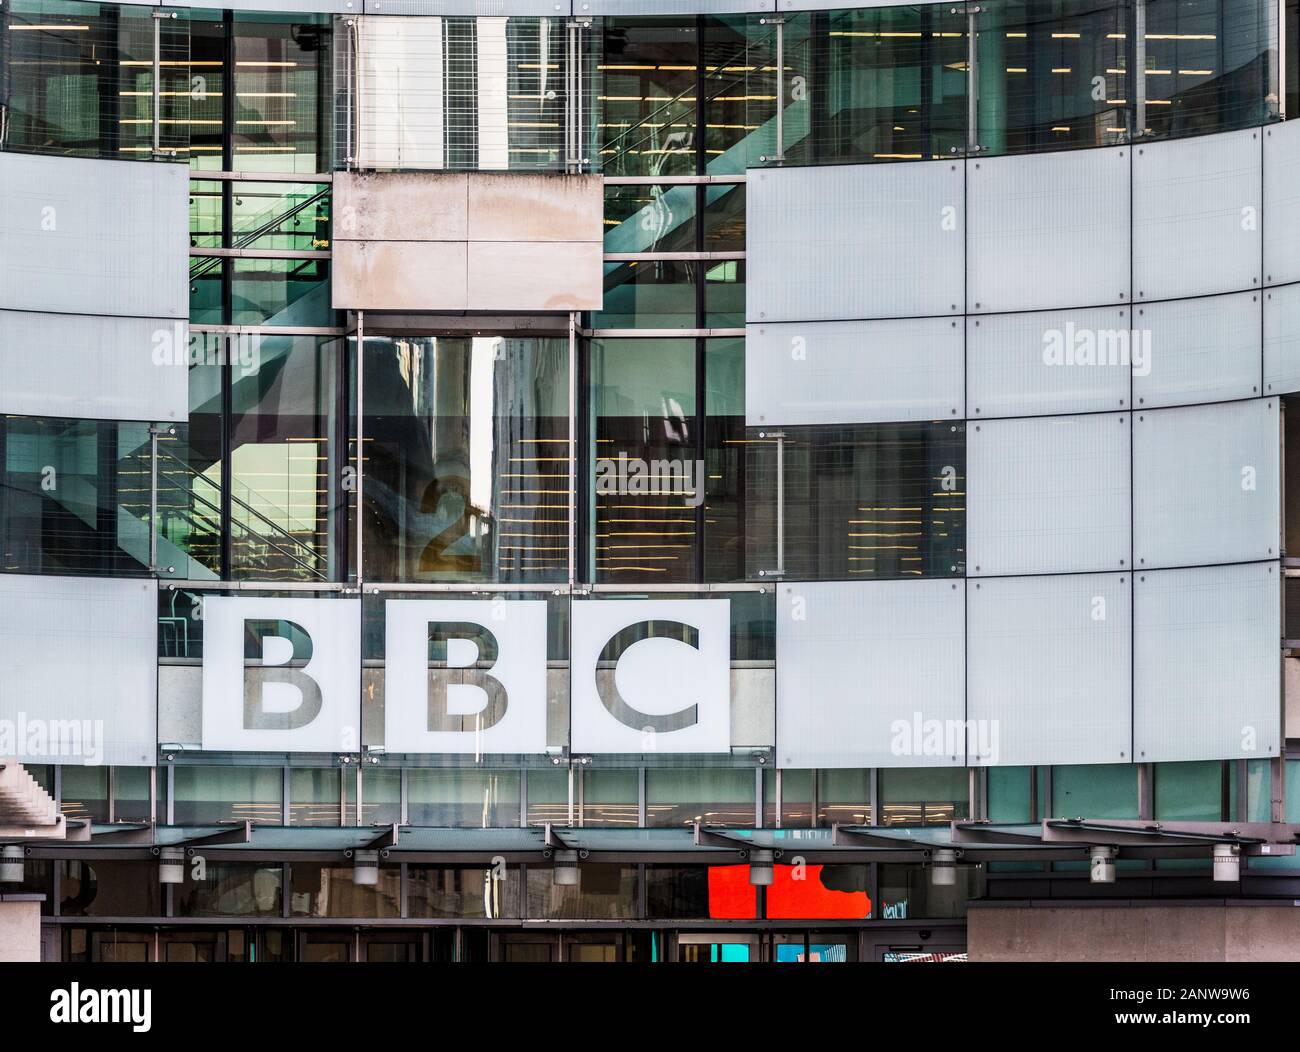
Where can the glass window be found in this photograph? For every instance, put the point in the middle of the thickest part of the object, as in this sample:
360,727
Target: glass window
1095,791
844,796
646,90
207,90
281,118
232,889
381,789
643,522
1192,792
700,892
871,501
1210,65
314,798
467,446
71,492
212,795
83,793
881,84
190,481
330,891
609,797
796,799
603,892
907,893
452,797
279,217
1009,794
724,217
648,218
109,889
724,294
712,796
914,796
738,77
649,294
454,892
548,796
80,79
285,292
1052,75
207,222
131,794
285,492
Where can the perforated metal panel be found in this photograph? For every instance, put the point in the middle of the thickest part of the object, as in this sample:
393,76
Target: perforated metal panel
1282,202
853,372
1048,230
1206,665
1282,340
843,242
1205,484
1200,350
1048,495
1048,666
1049,362
1196,216
79,659
83,236
83,367
870,674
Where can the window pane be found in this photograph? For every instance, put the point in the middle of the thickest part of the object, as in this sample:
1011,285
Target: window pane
1190,792
644,218
131,794
683,796
289,292
923,795
281,70
467,473
285,495
233,889
796,799
603,892
286,217
1210,65
643,523
645,90
1008,790
1052,76
649,294
109,889
871,501
74,492
1095,791
718,892
739,81
609,797
330,891
724,218
446,891
548,796
844,796
907,893
462,798
314,797
212,795
84,793
882,84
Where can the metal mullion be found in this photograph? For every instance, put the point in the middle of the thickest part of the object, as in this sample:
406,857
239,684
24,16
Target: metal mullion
228,92
701,380
227,441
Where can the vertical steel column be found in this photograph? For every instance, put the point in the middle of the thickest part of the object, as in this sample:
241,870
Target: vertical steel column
1281,59
1138,75
361,432
157,77
780,503
573,448
153,499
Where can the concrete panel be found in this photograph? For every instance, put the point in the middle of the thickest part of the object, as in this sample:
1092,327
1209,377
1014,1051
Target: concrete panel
1048,495
841,242
89,368
1049,362
1048,669
1206,665
535,276
1196,216
400,206
180,705
865,669
1282,340
854,371
1199,350
1133,931
753,708
78,657
401,275
1282,203
1206,483
80,236
526,207
1048,230
20,929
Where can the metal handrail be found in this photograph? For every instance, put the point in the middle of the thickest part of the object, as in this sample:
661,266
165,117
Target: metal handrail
207,263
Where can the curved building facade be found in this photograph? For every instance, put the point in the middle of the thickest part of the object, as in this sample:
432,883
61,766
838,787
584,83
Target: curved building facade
648,479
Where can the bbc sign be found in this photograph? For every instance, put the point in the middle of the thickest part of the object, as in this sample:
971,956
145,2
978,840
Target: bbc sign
466,675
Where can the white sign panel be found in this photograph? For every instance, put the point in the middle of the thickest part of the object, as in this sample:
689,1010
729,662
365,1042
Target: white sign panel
281,675
651,675
465,676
